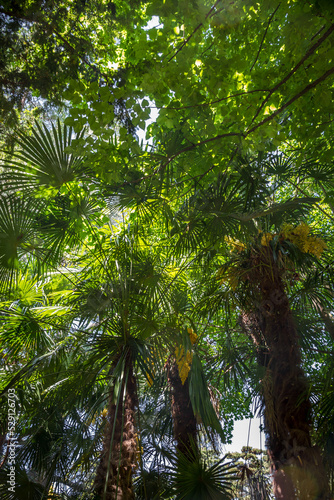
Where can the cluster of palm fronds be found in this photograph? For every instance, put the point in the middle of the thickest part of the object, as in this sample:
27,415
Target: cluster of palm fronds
99,290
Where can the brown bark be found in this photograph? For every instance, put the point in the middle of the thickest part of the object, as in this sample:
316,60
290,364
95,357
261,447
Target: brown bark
298,471
184,421
113,479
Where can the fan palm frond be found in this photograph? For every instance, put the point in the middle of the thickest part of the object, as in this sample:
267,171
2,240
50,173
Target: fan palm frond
17,233
195,480
42,160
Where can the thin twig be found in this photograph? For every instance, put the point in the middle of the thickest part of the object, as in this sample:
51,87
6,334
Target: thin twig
42,22
318,32
195,30
315,204
264,36
241,134
293,99
83,58
200,143
234,152
291,73
211,103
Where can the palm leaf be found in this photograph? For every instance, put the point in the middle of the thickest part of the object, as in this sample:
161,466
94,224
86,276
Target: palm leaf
201,400
195,480
42,159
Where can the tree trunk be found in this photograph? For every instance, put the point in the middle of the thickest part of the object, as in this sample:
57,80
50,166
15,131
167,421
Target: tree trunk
184,421
113,479
298,471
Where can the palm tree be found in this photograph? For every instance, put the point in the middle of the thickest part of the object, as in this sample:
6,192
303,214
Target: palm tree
110,280
297,465
119,455
184,420
262,271
120,291
116,293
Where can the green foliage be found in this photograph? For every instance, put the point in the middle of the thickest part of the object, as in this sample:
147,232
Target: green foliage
113,245
194,479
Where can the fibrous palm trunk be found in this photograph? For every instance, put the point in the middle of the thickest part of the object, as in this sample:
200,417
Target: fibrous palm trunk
297,467
184,420
113,479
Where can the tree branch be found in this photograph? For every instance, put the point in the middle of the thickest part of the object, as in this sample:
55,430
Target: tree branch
17,15
73,50
210,103
35,19
200,143
195,30
305,194
264,36
289,75
199,177
239,134
318,32
293,99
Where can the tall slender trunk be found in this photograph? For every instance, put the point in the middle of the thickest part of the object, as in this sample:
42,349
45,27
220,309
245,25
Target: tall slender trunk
184,421
113,479
297,467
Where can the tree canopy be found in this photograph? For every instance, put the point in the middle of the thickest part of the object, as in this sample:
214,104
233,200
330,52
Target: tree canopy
166,246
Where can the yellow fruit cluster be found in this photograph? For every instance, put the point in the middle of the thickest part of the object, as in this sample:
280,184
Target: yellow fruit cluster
266,238
235,244
192,335
103,414
300,237
183,362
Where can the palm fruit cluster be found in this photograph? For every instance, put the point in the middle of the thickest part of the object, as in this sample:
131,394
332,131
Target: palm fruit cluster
299,236
236,245
184,360
266,238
